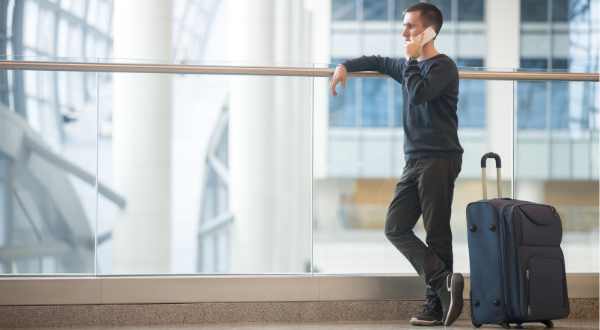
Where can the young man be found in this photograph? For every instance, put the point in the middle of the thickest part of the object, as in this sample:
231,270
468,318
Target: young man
433,158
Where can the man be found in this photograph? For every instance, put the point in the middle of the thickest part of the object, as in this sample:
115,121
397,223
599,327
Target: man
433,158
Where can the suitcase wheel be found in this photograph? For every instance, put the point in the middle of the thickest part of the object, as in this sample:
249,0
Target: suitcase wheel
505,325
477,325
548,324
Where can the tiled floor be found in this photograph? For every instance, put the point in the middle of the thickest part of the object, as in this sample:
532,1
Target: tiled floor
558,325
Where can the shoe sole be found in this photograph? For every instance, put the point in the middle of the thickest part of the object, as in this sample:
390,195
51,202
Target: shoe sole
416,321
457,287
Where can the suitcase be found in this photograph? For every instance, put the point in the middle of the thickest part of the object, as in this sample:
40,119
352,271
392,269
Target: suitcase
517,265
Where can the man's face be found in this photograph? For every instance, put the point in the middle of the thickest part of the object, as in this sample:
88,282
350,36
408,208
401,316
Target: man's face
412,25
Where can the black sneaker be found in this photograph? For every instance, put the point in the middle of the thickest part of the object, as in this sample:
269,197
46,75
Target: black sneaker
429,314
451,295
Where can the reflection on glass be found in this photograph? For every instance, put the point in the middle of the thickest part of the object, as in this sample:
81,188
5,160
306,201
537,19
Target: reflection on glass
557,161
47,177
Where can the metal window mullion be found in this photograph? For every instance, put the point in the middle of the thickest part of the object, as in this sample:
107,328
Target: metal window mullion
390,85
181,29
359,89
312,175
97,172
549,36
514,139
110,28
589,135
55,74
208,22
454,40
72,18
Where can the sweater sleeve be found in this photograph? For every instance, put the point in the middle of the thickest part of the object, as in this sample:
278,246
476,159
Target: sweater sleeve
386,65
421,90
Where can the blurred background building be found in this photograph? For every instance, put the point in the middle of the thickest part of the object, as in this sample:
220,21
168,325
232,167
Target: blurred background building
258,175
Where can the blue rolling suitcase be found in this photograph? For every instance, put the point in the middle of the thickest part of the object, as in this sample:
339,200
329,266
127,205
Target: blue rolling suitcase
517,265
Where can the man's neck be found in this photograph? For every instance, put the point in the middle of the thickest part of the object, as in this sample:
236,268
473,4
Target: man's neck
428,51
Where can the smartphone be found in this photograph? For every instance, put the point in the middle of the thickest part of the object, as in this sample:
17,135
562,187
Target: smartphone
428,34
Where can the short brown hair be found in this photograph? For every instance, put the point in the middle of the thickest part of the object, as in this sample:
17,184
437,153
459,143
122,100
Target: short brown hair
430,14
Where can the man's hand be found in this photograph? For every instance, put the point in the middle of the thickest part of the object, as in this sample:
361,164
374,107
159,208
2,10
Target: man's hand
338,75
413,47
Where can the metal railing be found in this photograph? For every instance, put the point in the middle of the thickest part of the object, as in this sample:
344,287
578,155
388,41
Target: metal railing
275,71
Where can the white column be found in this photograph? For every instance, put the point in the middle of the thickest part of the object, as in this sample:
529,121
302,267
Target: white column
502,19
251,138
269,140
142,139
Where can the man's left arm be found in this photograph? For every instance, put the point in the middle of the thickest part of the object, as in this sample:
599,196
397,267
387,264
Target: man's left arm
421,90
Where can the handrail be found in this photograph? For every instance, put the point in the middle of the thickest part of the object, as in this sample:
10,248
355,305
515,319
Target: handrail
274,71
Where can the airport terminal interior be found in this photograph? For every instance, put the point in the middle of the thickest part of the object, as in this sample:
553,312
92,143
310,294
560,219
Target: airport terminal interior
110,178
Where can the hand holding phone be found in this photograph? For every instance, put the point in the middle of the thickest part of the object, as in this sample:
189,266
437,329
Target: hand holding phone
427,35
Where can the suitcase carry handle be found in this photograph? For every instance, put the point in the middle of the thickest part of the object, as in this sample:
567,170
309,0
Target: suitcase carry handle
498,167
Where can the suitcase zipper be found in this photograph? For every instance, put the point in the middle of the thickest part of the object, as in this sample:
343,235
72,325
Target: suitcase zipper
510,211
506,276
528,306
504,261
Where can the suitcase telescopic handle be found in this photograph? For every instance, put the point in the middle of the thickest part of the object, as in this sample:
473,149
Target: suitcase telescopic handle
498,167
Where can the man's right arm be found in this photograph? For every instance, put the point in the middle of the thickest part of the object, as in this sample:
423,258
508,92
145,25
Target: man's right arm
386,65
390,66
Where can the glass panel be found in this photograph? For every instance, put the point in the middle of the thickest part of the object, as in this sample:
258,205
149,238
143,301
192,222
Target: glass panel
374,103
343,112
47,175
446,7
400,6
471,103
557,161
560,10
470,10
343,10
534,10
214,179
375,10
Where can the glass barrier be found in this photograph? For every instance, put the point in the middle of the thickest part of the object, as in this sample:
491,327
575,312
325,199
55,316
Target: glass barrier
556,150
219,174
215,172
48,172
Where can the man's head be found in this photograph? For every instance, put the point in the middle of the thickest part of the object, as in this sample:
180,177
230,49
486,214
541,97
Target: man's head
419,17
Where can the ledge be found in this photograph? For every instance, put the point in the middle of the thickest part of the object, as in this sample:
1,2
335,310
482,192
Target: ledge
185,290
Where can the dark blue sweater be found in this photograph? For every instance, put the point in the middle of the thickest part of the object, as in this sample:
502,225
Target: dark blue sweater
429,99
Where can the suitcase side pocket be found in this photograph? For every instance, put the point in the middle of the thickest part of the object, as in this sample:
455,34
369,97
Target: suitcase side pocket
545,288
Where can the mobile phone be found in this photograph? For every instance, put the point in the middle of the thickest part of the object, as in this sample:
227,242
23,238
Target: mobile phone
428,34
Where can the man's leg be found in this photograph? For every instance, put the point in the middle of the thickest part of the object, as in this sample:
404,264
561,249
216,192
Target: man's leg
436,179
403,214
